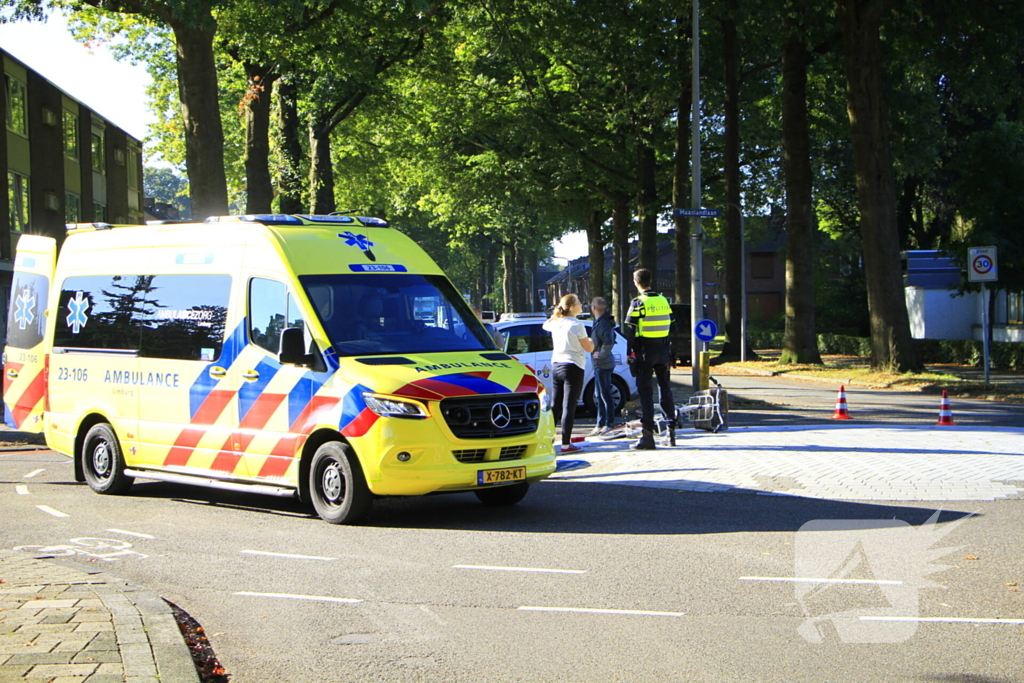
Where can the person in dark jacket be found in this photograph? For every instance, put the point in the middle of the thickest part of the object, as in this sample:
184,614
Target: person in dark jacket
603,337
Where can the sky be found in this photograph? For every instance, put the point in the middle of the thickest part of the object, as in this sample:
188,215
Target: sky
115,90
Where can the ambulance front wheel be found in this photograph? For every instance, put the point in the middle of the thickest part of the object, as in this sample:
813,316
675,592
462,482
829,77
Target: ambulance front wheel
337,485
502,496
103,462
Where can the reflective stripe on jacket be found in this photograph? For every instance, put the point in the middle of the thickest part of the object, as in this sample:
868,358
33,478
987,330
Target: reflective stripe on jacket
651,314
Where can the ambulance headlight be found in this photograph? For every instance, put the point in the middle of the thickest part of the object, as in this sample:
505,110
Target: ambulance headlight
393,407
545,401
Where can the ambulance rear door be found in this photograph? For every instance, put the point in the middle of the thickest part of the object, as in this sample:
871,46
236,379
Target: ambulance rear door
25,358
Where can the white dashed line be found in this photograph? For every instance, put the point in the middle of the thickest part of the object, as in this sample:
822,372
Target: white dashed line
518,569
50,511
290,596
586,610
33,473
789,579
946,620
288,555
130,533
21,489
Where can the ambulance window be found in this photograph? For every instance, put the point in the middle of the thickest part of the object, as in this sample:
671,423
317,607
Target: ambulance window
25,320
268,302
187,318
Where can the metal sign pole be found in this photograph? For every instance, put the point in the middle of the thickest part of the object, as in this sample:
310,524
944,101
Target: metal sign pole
985,322
696,233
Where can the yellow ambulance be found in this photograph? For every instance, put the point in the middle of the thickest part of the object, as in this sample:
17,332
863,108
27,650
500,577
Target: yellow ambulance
326,357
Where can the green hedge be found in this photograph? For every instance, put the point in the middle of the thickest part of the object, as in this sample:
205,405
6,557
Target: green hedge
1002,355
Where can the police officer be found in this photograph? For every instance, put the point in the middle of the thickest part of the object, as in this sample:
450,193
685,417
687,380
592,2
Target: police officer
648,324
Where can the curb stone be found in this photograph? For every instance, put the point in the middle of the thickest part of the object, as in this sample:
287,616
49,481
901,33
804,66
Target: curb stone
58,622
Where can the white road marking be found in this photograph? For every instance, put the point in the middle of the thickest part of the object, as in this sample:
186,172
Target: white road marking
294,557
518,569
130,533
21,489
50,511
33,473
946,620
790,579
291,596
586,610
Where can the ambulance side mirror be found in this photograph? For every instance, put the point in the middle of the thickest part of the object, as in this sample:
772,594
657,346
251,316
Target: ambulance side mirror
293,347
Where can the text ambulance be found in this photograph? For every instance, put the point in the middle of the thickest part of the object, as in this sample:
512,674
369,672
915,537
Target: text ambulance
321,356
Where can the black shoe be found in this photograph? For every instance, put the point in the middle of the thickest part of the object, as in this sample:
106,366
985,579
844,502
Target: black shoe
646,442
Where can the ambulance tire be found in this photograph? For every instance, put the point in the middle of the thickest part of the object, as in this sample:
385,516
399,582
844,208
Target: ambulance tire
103,462
337,486
502,496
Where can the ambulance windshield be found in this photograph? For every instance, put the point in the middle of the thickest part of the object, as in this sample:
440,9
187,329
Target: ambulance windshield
385,313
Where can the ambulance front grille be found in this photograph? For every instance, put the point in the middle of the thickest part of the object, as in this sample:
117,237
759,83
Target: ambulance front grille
513,452
469,455
491,417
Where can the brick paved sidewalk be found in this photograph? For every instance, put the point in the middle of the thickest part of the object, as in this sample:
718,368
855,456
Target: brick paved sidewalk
60,625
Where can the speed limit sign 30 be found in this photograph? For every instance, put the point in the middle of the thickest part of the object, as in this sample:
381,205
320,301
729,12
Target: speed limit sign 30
982,265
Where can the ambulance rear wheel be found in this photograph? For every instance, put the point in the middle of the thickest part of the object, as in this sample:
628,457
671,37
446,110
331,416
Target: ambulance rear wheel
502,496
337,486
103,462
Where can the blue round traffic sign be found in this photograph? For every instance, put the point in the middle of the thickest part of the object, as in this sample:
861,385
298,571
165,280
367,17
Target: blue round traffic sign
705,330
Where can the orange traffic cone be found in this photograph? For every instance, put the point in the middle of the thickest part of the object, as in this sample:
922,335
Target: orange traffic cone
841,412
945,413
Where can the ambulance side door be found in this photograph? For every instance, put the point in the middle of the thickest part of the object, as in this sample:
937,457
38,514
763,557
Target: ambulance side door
186,354
271,396
25,356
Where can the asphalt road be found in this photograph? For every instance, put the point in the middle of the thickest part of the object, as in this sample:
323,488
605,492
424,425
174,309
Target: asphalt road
692,566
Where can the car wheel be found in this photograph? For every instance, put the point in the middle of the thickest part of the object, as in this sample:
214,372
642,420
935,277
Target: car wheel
102,461
620,393
502,496
337,486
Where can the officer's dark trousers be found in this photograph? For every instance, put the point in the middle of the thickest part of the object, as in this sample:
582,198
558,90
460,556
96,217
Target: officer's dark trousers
653,360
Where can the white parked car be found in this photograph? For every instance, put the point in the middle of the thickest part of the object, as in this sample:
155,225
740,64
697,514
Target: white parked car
528,342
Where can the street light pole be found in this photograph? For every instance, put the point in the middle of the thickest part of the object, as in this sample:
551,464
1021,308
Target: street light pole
696,232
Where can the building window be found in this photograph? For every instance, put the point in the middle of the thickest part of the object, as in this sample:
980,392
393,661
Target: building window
18,201
762,265
99,212
70,135
17,105
72,208
1015,308
99,154
134,161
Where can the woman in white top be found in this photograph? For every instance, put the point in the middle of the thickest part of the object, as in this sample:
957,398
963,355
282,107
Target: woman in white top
569,356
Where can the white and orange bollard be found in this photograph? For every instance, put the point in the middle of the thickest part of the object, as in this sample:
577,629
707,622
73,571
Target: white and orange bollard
842,412
945,412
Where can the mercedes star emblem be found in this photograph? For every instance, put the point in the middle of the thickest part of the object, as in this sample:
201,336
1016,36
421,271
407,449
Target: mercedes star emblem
500,415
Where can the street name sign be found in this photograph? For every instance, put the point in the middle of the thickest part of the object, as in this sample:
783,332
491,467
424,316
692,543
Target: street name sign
982,265
698,213
705,330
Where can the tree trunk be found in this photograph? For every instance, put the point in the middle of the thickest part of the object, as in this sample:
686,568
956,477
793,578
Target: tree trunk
595,241
891,344
528,268
680,194
622,280
200,110
800,342
647,204
321,172
731,162
289,178
508,281
259,188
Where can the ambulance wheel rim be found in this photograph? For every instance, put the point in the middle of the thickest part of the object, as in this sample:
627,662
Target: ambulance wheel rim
101,460
333,483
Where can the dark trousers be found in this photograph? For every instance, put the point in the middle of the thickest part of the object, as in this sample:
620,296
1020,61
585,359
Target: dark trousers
653,361
603,397
568,381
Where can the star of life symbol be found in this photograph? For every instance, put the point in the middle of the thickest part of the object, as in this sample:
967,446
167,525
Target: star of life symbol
354,240
859,579
25,308
76,313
